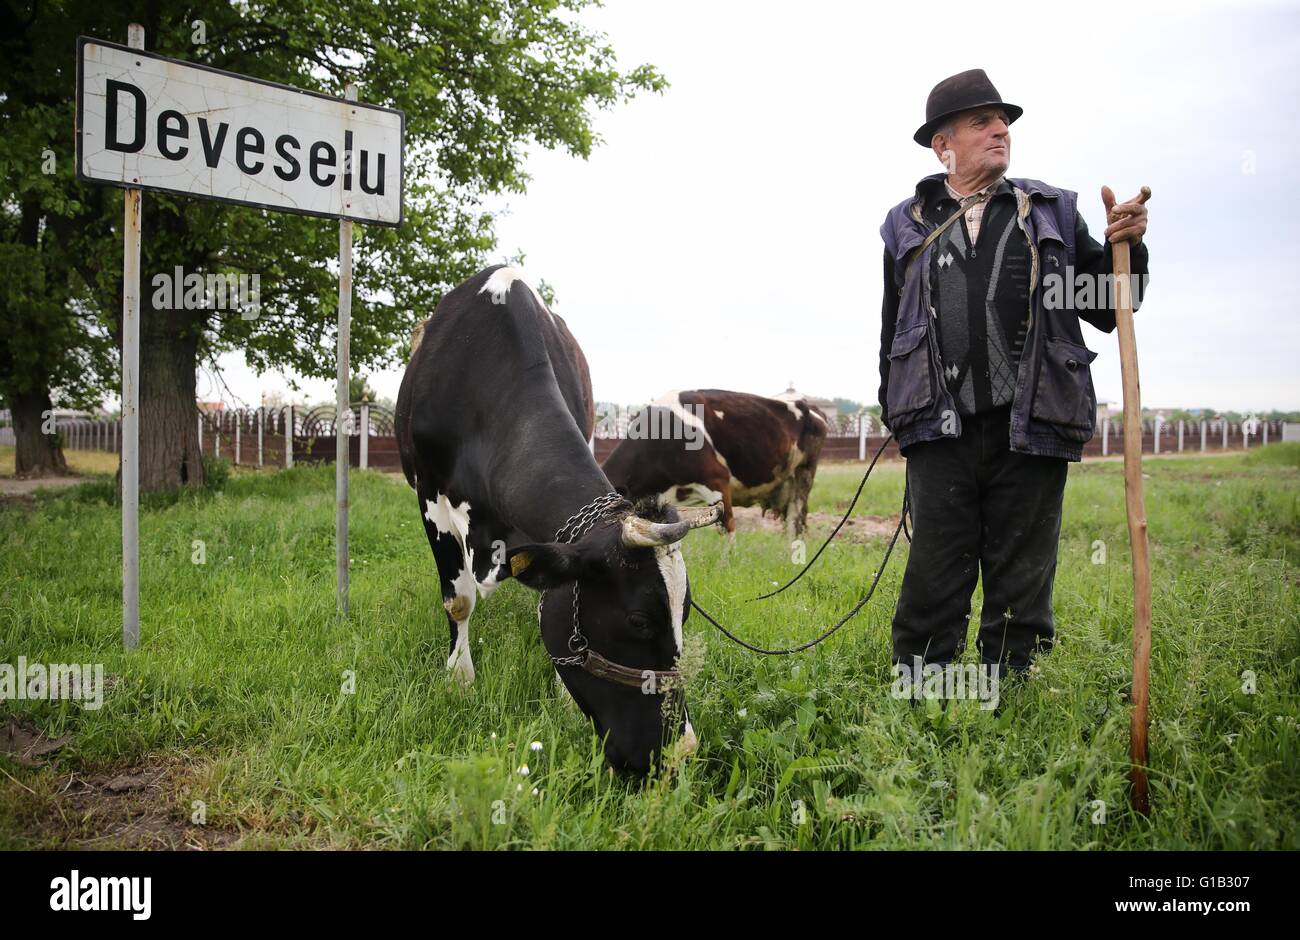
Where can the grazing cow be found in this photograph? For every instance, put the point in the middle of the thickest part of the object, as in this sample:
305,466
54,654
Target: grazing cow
494,422
745,449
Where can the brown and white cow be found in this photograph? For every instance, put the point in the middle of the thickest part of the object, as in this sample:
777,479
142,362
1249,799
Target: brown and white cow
694,447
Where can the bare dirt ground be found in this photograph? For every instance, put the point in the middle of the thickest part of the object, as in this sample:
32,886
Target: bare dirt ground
820,524
129,807
13,488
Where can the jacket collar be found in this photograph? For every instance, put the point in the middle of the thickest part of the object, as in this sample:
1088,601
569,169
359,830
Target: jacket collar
1030,187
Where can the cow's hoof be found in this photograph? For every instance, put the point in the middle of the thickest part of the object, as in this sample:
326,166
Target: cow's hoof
682,748
688,742
461,670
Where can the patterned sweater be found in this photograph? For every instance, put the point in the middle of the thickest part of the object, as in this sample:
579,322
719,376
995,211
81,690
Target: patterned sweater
979,288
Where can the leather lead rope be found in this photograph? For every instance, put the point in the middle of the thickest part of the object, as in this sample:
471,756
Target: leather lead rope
836,530
902,517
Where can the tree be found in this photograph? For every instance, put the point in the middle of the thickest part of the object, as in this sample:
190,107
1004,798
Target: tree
53,343
479,80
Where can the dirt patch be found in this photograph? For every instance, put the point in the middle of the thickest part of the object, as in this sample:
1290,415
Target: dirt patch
137,806
27,745
857,529
14,488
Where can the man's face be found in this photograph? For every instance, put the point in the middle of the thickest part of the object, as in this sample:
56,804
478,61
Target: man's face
979,146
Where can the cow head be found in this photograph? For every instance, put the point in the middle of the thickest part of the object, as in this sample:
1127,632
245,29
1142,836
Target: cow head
632,599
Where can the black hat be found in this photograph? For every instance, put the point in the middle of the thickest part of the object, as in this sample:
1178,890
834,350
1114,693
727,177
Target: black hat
960,92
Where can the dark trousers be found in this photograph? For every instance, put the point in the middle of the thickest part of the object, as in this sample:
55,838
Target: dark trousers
976,506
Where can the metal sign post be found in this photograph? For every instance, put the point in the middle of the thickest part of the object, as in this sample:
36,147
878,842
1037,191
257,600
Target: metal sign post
343,409
131,402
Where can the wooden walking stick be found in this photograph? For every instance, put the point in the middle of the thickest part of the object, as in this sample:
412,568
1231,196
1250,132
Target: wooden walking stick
1137,523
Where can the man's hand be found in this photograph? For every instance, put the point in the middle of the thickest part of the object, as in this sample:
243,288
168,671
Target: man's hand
1125,220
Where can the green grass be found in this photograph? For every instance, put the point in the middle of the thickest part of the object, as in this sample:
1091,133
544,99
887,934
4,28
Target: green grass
242,667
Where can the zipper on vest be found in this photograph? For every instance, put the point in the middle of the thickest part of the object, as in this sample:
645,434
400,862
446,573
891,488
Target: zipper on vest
1022,210
1027,358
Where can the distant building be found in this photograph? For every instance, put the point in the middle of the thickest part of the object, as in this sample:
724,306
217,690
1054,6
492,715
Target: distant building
826,405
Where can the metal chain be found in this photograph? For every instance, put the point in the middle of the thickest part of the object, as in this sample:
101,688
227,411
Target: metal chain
578,523
573,529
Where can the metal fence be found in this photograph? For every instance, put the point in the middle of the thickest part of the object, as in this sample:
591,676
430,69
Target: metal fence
261,436
858,438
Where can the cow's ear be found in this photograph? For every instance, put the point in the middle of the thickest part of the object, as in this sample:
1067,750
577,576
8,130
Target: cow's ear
544,565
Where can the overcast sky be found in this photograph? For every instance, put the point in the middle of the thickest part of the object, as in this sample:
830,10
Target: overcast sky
725,234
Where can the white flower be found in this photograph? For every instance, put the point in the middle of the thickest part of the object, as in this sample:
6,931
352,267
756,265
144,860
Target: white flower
535,746
536,791
523,770
519,788
494,735
743,713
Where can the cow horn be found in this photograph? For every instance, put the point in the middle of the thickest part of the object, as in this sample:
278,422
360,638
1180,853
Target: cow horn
642,533
701,517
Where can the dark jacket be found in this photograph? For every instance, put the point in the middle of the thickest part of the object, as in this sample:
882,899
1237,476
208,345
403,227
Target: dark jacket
1054,408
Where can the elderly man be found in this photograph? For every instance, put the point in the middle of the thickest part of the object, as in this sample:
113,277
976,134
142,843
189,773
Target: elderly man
984,376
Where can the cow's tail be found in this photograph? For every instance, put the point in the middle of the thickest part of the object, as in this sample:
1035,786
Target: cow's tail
402,413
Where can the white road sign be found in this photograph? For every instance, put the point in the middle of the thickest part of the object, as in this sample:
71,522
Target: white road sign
150,122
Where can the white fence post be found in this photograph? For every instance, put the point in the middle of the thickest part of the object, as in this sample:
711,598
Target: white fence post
239,422
260,409
862,436
200,434
1181,424
1105,436
1225,433
1155,435
1265,440
288,439
1204,424
365,435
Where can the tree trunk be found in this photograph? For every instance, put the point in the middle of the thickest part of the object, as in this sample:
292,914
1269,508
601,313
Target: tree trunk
36,454
169,447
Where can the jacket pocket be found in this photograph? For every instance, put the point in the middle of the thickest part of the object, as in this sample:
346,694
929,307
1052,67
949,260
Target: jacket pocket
909,372
1064,395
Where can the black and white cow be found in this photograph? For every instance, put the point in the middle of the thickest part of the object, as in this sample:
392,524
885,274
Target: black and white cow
494,422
